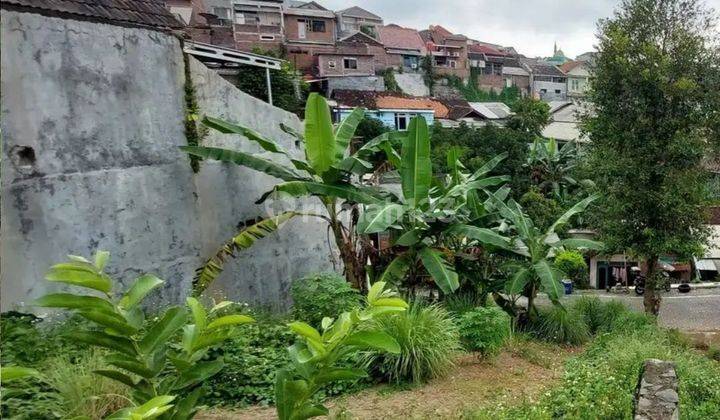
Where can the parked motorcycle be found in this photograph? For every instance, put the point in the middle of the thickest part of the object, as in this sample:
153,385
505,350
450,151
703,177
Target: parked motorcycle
640,283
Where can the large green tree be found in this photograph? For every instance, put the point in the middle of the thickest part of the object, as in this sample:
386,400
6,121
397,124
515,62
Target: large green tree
655,93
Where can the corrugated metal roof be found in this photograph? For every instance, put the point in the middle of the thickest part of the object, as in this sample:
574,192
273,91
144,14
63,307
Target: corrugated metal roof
149,13
492,110
356,11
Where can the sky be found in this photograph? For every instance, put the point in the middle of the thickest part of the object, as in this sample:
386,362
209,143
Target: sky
531,26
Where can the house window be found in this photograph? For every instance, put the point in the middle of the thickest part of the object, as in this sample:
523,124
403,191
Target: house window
575,84
453,64
401,121
332,64
557,91
221,12
350,63
249,18
543,90
315,25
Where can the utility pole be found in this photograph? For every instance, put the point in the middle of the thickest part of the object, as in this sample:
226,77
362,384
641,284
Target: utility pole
269,88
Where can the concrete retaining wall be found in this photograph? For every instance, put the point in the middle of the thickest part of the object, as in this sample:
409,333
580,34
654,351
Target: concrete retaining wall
92,118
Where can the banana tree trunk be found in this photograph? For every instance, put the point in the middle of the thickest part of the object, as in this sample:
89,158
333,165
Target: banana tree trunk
651,299
352,252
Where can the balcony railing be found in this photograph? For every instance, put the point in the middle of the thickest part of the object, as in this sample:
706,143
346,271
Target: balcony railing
258,29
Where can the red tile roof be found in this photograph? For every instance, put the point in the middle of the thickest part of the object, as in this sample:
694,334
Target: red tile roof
394,36
388,100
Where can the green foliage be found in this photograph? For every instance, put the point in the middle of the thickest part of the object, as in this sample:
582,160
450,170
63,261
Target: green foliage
560,325
593,312
428,339
315,357
477,146
603,379
572,263
322,295
629,321
484,329
149,358
389,79
471,91
542,210
713,353
529,116
246,238
462,302
426,64
553,170
285,83
325,173
654,88
192,113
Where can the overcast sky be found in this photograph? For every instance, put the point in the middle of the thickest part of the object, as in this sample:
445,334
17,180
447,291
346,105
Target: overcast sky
531,26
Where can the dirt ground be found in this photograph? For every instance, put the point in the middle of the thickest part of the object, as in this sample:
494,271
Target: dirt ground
513,376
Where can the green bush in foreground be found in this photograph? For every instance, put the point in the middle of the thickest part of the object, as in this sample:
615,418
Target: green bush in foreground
428,339
600,383
561,325
484,329
322,295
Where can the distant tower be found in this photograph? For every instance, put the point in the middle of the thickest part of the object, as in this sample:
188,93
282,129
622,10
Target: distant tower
555,49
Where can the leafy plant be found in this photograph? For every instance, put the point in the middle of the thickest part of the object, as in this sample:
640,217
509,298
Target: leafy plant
428,219
572,263
535,271
484,329
594,313
322,295
315,356
140,353
327,173
462,302
560,325
552,167
428,341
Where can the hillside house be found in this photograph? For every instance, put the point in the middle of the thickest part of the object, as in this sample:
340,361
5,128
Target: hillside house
356,19
403,47
578,78
547,82
309,31
243,24
449,51
393,109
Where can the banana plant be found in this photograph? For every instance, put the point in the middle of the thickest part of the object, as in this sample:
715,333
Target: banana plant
326,173
162,360
552,166
314,357
536,248
426,217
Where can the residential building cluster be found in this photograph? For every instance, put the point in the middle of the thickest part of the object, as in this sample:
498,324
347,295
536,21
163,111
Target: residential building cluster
345,54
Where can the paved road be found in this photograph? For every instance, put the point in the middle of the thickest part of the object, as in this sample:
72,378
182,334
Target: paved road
698,310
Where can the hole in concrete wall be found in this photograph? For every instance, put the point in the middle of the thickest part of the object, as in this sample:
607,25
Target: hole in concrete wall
23,158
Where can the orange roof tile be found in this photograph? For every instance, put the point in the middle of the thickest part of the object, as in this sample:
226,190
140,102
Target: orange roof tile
395,102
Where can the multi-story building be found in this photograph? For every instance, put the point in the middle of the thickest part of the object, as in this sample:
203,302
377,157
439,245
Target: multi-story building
449,51
404,48
547,82
578,77
356,19
497,69
309,31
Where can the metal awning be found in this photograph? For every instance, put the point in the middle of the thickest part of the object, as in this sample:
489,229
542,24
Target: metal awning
708,265
228,57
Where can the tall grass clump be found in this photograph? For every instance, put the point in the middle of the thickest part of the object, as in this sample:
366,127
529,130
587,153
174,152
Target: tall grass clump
561,325
459,303
592,310
81,392
428,339
484,329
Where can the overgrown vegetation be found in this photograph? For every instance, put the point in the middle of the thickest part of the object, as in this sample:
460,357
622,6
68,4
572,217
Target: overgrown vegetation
471,91
322,295
428,341
484,329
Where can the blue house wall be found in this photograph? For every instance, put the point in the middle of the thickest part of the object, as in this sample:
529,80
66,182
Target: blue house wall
387,116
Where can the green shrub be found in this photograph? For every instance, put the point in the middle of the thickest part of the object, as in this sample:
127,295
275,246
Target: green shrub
561,325
460,302
598,315
632,321
322,295
428,339
484,330
713,352
572,263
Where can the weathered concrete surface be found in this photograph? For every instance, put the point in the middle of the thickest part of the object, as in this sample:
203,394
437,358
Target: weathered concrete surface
412,84
92,119
657,393
372,83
